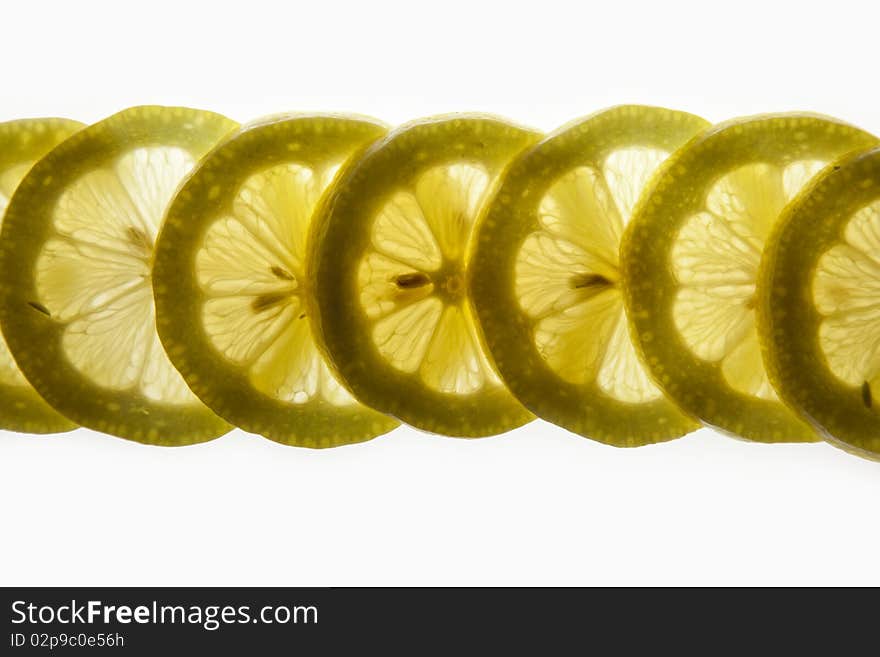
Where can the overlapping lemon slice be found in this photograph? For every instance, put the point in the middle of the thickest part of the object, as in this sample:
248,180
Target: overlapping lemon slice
21,144
233,292
819,303
75,258
691,257
546,275
391,258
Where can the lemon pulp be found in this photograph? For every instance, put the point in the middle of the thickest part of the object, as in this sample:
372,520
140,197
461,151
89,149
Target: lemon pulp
846,294
412,285
93,274
250,269
715,262
568,277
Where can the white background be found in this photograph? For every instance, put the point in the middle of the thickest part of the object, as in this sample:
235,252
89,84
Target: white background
538,506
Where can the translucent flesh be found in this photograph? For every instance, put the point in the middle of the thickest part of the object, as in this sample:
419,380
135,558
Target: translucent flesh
412,283
9,180
567,273
10,375
715,260
846,293
250,268
93,274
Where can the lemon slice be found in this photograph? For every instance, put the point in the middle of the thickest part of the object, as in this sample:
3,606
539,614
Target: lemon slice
690,261
546,279
819,303
232,288
21,144
75,258
391,258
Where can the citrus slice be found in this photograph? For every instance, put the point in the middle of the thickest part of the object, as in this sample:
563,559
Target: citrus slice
690,260
232,287
546,280
21,144
819,303
390,258
75,258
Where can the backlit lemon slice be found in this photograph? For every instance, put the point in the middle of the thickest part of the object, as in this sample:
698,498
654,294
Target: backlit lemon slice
75,257
690,261
232,287
391,259
819,303
21,144
546,275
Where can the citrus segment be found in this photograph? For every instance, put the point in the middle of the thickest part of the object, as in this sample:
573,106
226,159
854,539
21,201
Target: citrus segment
233,288
77,250
546,278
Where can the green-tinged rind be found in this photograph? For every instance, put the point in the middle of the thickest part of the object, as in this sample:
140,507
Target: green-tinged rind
208,193
677,192
788,320
582,408
22,143
343,233
34,338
